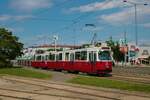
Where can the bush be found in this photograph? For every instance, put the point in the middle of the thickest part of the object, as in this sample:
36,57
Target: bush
5,64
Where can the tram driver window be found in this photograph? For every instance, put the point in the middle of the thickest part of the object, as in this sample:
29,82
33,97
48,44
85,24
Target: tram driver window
104,55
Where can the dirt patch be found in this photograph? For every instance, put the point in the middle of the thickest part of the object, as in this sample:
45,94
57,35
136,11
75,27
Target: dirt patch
62,76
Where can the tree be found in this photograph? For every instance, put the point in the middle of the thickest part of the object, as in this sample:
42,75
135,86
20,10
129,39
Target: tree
117,54
115,47
110,42
10,47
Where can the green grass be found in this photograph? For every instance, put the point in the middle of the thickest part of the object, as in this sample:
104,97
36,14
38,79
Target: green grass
108,83
24,73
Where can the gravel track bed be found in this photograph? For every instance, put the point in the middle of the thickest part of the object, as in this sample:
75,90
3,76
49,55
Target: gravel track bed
132,71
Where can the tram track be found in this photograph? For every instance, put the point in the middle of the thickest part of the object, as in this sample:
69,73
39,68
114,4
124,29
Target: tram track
136,79
45,94
76,91
14,97
60,89
123,77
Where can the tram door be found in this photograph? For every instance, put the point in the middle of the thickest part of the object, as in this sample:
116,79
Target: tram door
92,60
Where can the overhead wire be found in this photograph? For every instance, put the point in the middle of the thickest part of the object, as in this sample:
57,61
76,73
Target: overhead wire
79,19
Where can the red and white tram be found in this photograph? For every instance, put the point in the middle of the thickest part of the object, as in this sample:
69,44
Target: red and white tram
95,60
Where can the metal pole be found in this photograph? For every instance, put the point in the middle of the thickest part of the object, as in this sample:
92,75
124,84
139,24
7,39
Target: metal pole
55,44
125,46
55,39
74,42
136,22
136,27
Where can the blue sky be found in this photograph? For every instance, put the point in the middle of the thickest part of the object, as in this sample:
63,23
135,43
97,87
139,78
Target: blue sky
36,21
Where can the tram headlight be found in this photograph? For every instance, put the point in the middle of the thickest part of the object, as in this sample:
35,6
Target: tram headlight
107,66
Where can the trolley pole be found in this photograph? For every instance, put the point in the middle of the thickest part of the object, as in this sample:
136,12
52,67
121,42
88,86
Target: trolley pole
55,40
93,41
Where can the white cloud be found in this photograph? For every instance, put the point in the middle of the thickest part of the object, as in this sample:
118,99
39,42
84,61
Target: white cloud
145,41
29,5
127,15
4,17
147,25
16,17
118,17
15,29
22,17
92,29
108,4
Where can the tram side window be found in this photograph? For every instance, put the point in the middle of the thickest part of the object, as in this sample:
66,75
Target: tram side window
77,56
59,56
51,56
66,56
71,57
43,58
34,57
38,58
83,55
46,57
92,56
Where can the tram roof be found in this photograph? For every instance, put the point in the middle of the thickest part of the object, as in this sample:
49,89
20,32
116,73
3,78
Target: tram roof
77,50
88,49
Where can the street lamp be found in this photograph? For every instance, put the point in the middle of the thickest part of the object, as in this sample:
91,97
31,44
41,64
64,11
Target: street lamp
136,26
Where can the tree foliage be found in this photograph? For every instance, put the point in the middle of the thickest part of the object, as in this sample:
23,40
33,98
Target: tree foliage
10,47
117,54
115,47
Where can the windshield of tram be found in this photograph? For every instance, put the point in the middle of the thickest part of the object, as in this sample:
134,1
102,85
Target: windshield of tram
104,55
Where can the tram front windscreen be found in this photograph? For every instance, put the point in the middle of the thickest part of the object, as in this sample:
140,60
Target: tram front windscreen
104,55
